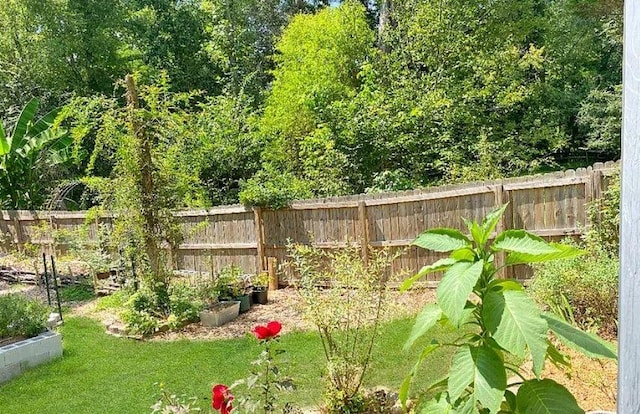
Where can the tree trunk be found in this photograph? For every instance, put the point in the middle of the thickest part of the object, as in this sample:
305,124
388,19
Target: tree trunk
145,183
384,20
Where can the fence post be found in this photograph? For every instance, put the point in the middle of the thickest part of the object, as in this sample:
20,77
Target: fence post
259,229
19,236
272,265
629,303
364,231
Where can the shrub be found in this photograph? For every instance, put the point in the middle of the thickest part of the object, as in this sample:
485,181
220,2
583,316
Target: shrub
144,312
184,303
584,290
20,316
604,216
229,283
273,189
346,314
140,322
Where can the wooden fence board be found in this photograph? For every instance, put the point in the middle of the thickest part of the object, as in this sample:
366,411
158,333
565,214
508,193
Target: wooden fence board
551,205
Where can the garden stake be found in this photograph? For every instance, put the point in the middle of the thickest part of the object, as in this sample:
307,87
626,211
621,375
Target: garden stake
55,286
46,278
133,274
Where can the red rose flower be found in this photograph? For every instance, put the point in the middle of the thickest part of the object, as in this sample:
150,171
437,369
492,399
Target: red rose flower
221,399
267,332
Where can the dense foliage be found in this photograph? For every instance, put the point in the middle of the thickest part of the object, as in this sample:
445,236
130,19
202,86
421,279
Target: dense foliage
300,98
20,316
584,290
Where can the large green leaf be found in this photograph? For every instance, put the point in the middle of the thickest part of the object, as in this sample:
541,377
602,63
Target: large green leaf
476,231
25,118
438,405
44,123
491,221
403,392
589,344
546,397
562,251
483,369
455,287
442,240
515,323
426,320
442,264
521,241
5,145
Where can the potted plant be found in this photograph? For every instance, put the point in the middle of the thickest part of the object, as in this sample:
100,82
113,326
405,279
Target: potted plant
261,288
231,286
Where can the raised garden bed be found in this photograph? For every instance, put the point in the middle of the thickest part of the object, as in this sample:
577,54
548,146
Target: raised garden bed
15,357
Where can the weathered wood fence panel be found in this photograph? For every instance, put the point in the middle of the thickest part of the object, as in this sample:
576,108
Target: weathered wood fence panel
551,205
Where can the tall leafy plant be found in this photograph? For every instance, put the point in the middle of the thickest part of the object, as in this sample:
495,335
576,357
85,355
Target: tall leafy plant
32,148
498,323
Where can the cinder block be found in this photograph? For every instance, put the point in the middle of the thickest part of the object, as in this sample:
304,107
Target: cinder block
29,353
9,371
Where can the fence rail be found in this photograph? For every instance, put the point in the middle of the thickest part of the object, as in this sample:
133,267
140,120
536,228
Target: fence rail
550,205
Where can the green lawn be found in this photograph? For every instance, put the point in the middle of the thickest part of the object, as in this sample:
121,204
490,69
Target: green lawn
103,374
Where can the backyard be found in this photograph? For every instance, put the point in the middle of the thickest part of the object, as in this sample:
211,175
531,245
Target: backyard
312,206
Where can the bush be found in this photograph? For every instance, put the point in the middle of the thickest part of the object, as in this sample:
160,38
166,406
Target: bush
20,316
604,216
273,189
144,311
184,303
347,314
583,290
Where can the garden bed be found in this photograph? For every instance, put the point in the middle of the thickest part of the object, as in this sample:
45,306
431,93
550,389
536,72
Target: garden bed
15,357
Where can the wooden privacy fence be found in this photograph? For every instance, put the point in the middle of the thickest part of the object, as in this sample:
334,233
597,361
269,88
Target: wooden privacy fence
550,205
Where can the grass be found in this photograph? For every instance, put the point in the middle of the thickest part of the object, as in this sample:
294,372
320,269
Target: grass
101,373
77,293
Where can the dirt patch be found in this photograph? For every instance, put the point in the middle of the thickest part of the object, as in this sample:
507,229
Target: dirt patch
284,305
593,382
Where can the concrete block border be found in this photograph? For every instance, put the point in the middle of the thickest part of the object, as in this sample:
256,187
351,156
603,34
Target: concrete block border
28,353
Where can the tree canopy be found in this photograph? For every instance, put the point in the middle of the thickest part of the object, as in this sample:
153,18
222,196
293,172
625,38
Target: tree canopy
301,98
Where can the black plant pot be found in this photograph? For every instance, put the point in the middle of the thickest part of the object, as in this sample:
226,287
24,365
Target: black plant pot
260,295
245,303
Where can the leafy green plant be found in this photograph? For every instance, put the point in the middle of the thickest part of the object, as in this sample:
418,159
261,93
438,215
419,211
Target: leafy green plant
583,291
184,303
34,147
497,321
346,314
229,283
20,316
261,280
604,216
146,310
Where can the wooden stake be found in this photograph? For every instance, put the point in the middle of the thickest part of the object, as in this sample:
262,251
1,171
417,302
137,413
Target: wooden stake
272,266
